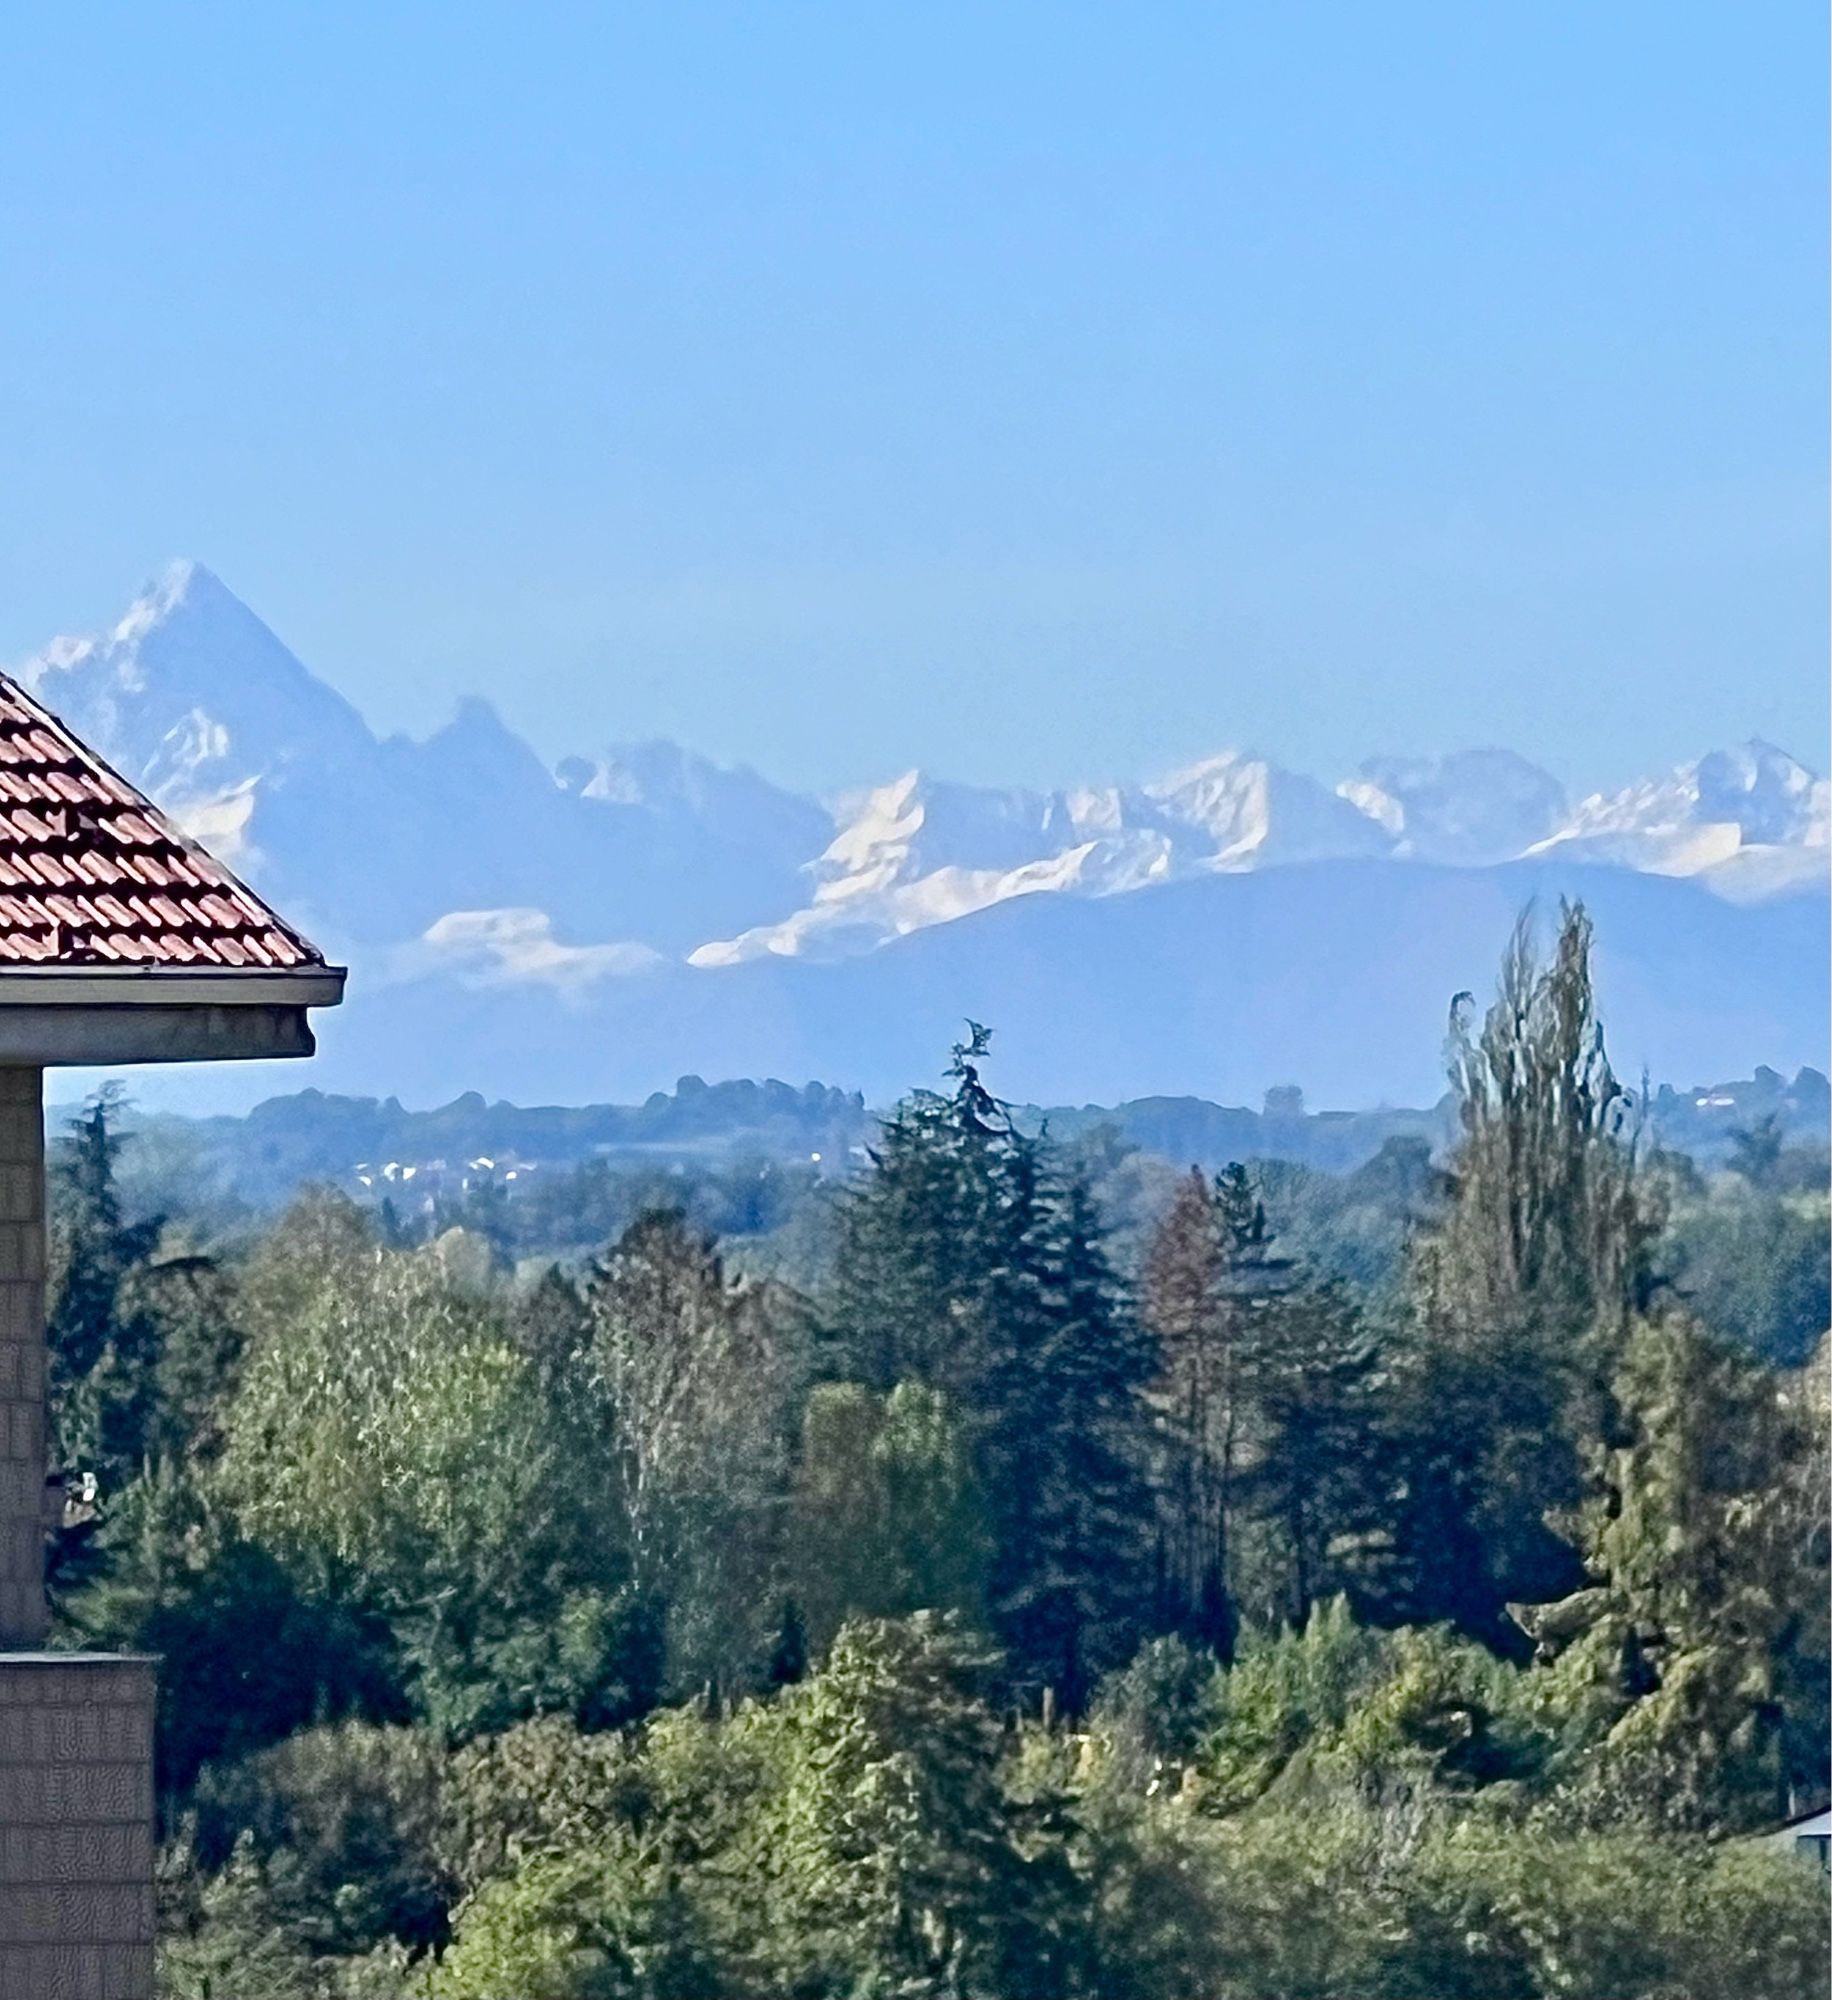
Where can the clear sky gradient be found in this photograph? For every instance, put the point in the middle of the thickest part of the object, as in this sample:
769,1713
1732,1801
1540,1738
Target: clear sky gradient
1030,392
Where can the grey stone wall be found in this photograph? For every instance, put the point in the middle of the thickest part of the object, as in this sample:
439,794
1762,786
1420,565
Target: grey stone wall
76,1827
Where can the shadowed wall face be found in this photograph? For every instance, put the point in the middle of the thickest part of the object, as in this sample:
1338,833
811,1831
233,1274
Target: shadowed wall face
76,1729
22,1359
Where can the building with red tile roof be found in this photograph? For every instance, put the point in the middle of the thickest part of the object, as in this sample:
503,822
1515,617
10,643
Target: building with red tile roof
120,941
91,873
106,904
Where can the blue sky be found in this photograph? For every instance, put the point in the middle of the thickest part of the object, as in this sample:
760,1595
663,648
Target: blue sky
1032,392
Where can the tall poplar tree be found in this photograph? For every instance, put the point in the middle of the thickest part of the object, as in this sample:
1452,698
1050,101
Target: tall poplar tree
1524,1292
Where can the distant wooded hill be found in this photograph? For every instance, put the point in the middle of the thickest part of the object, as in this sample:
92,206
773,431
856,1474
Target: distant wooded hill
377,1146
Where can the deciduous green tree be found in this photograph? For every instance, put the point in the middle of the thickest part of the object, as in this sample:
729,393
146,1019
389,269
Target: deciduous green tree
886,1516
391,1445
690,1377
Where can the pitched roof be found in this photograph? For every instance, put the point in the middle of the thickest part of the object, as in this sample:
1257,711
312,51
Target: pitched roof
93,874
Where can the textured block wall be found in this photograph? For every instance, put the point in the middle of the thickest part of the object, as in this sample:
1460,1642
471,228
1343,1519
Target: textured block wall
22,1359
76,1827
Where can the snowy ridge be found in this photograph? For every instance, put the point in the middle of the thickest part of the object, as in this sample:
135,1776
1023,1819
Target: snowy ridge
631,857
1752,822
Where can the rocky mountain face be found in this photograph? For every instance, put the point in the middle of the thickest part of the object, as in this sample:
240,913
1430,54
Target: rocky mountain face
637,886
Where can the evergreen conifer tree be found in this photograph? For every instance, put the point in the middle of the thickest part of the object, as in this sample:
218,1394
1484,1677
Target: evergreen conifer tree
926,1237
966,1269
1068,1457
1311,1487
1700,1601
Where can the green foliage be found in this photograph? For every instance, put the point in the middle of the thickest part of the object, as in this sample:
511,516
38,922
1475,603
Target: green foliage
1353,1228
537,1787
220,1939
1385,1905
1154,1714
1267,1425
1334,1706
967,1268
686,1378
392,1446
1522,1294
1196,1401
1022,1638
1696,1542
141,1335
903,1867
104,1348
1752,1264
1547,1214
1064,1455
920,1279
609,1923
344,1822
1311,1497
885,1515
1283,1693
246,1654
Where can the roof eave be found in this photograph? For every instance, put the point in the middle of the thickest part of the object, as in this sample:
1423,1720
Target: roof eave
167,986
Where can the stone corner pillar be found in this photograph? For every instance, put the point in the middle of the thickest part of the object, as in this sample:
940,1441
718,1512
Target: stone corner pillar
76,1729
23,1461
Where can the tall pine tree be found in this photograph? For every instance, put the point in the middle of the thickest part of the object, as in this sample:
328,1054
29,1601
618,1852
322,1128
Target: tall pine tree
966,1268
1066,1444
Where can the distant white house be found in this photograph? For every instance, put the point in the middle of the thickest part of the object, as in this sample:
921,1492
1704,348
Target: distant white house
1810,1838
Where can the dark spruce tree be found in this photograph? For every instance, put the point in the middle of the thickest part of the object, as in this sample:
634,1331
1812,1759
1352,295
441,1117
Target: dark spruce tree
965,1268
1311,1489
1071,1585
923,1238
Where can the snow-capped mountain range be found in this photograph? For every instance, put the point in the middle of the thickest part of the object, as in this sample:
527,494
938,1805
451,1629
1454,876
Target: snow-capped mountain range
461,864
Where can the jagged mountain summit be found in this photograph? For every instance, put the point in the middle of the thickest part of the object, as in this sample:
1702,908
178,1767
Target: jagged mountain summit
1751,820
640,881
379,841
918,851
1472,809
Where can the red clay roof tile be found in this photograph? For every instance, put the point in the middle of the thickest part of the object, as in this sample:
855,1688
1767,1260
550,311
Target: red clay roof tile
72,827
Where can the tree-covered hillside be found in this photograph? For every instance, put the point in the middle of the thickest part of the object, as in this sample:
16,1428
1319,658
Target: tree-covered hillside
1023,1565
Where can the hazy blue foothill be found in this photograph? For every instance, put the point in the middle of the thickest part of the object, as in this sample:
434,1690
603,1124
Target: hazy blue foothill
264,1156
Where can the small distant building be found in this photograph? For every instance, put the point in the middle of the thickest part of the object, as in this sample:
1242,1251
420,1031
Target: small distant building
1810,1838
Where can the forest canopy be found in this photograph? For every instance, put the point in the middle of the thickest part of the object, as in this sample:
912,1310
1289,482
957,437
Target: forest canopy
1056,1572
